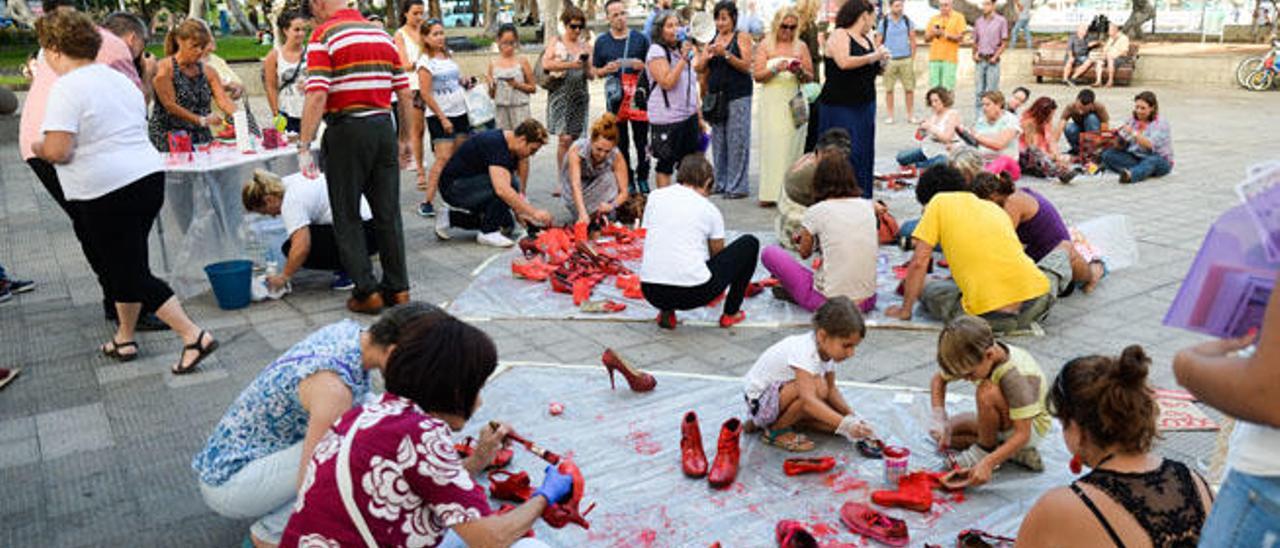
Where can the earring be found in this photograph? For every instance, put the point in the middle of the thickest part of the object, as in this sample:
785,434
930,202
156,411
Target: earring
1076,466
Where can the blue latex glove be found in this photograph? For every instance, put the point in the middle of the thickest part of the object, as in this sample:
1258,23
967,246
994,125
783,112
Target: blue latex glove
556,486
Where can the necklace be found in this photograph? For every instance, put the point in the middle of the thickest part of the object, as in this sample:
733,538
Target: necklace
1103,461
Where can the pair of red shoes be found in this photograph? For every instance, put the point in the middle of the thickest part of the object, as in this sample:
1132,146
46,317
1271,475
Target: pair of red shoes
694,462
667,318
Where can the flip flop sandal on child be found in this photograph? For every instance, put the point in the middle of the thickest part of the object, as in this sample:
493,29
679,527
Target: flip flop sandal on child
787,439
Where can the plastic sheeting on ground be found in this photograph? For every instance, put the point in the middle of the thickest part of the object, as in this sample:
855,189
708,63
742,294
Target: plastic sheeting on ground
496,294
628,447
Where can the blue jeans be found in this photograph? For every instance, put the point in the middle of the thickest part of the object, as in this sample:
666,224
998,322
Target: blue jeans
1246,513
916,157
1140,167
1072,131
860,122
1025,26
986,77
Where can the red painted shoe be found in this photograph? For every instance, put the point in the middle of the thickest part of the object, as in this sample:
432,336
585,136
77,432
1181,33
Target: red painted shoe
861,519
813,465
533,269
730,321
692,460
559,515
977,538
725,467
915,492
507,486
667,319
639,381
793,534
502,458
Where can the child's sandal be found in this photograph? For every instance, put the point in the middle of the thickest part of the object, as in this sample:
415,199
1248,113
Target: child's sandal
795,443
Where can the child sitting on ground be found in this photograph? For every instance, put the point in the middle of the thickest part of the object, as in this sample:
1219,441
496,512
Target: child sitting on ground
793,384
1010,391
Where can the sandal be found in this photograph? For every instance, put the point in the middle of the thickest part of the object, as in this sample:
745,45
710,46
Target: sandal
202,353
796,443
112,350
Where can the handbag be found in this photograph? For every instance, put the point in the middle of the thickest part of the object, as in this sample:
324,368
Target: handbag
549,81
715,109
634,99
480,107
799,109
886,225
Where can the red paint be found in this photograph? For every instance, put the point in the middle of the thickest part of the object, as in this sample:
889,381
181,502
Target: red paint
754,508
842,483
644,443
821,529
647,537
556,408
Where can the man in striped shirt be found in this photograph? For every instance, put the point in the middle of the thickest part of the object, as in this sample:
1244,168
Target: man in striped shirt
352,69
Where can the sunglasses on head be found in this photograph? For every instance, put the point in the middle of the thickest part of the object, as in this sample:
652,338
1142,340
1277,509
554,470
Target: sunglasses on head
433,22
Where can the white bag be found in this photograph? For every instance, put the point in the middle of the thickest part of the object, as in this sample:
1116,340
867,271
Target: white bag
480,107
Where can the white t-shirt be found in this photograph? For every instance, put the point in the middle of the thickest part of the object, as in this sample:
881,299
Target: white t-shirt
774,365
446,85
678,222
846,233
306,202
108,116
1254,448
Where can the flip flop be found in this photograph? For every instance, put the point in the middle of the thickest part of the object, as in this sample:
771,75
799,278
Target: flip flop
797,443
203,352
113,351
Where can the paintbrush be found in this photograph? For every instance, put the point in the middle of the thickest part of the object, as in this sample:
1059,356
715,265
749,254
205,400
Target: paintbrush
534,448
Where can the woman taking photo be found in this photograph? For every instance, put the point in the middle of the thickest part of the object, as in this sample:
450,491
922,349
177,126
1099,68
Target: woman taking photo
510,80
673,103
849,94
185,87
781,65
1146,148
409,44
285,71
1131,495
726,63
568,102
1038,154
936,133
444,94
95,135
427,495
593,178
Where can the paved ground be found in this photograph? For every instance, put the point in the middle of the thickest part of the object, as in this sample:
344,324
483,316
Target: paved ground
97,453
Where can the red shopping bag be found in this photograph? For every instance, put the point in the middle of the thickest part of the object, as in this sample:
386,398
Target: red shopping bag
633,108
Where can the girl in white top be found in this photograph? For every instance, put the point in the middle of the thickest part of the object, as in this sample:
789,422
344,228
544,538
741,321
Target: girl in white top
936,134
95,133
285,70
686,264
793,383
444,94
303,204
409,44
510,81
843,225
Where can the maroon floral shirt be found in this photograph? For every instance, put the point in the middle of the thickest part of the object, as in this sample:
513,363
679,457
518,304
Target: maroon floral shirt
406,479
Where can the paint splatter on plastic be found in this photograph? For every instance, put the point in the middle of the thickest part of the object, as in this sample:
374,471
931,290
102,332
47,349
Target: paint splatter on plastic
555,408
842,483
643,442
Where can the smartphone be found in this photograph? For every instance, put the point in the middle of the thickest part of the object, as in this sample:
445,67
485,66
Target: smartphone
584,57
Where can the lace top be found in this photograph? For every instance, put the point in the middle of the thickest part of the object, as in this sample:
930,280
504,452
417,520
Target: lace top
1164,501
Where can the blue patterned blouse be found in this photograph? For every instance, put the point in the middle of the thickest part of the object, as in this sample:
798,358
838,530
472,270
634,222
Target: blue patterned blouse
268,415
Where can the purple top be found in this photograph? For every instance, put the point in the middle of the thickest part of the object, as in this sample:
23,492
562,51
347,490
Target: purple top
1045,231
988,32
678,103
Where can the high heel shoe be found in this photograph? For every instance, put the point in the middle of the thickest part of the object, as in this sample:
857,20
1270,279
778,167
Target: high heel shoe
725,467
692,460
559,515
639,381
812,465
512,487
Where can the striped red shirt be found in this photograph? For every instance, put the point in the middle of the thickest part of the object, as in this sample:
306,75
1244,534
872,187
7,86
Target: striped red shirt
355,62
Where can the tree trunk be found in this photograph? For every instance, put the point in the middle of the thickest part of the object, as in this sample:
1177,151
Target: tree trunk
196,9
433,9
971,12
550,10
490,17
1142,12
237,13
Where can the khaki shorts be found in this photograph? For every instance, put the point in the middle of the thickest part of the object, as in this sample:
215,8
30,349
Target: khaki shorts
900,70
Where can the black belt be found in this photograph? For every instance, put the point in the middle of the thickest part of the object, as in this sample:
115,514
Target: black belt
339,119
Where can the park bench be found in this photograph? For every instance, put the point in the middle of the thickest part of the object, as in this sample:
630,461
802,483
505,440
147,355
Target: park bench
1050,56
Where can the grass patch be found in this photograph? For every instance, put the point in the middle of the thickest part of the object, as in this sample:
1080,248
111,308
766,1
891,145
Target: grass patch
231,48
14,81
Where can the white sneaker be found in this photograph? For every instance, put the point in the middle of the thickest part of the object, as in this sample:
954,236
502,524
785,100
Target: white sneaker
971,457
1029,458
494,239
442,222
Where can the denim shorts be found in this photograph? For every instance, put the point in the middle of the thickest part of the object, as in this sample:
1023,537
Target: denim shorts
1246,513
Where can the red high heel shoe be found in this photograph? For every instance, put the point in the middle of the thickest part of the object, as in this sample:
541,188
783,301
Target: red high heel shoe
667,319
692,460
793,534
915,492
512,487
559,515
862,520
639,381
812,465
500,459
725,467
730,321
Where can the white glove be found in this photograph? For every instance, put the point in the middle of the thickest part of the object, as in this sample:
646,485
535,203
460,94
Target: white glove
853,428
307,165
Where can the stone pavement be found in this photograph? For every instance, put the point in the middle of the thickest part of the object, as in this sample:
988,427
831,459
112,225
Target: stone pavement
98,453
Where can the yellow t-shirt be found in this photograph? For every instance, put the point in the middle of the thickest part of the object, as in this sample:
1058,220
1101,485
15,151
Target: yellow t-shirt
987,260
940,48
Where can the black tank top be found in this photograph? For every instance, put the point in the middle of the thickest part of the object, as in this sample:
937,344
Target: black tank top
723,77
850,87
1164,501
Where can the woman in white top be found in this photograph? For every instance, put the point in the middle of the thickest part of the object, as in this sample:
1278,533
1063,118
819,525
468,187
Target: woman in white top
409,44
303,204
842,224
937,133
285,70
686,264
995,135
95,134
444,94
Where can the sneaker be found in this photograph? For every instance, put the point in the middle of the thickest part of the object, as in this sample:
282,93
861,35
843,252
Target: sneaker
442,223
494,239
341,282
1029,458
971,456
1066,176
20,286
7,375
425,209
1125,177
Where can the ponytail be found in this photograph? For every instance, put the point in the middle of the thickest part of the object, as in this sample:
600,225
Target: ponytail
992,186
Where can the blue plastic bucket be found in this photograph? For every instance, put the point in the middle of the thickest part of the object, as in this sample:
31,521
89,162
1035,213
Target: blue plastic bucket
230,281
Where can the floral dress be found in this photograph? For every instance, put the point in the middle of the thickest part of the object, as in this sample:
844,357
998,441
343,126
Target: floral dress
190,92
401,472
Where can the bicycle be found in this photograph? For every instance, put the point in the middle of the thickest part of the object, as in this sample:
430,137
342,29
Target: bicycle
1252,65
1265,77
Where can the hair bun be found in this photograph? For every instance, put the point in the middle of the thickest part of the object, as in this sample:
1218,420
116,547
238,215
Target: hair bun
1131,369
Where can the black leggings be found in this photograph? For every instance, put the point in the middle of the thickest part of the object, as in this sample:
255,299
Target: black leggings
732,267
324,246
116,228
